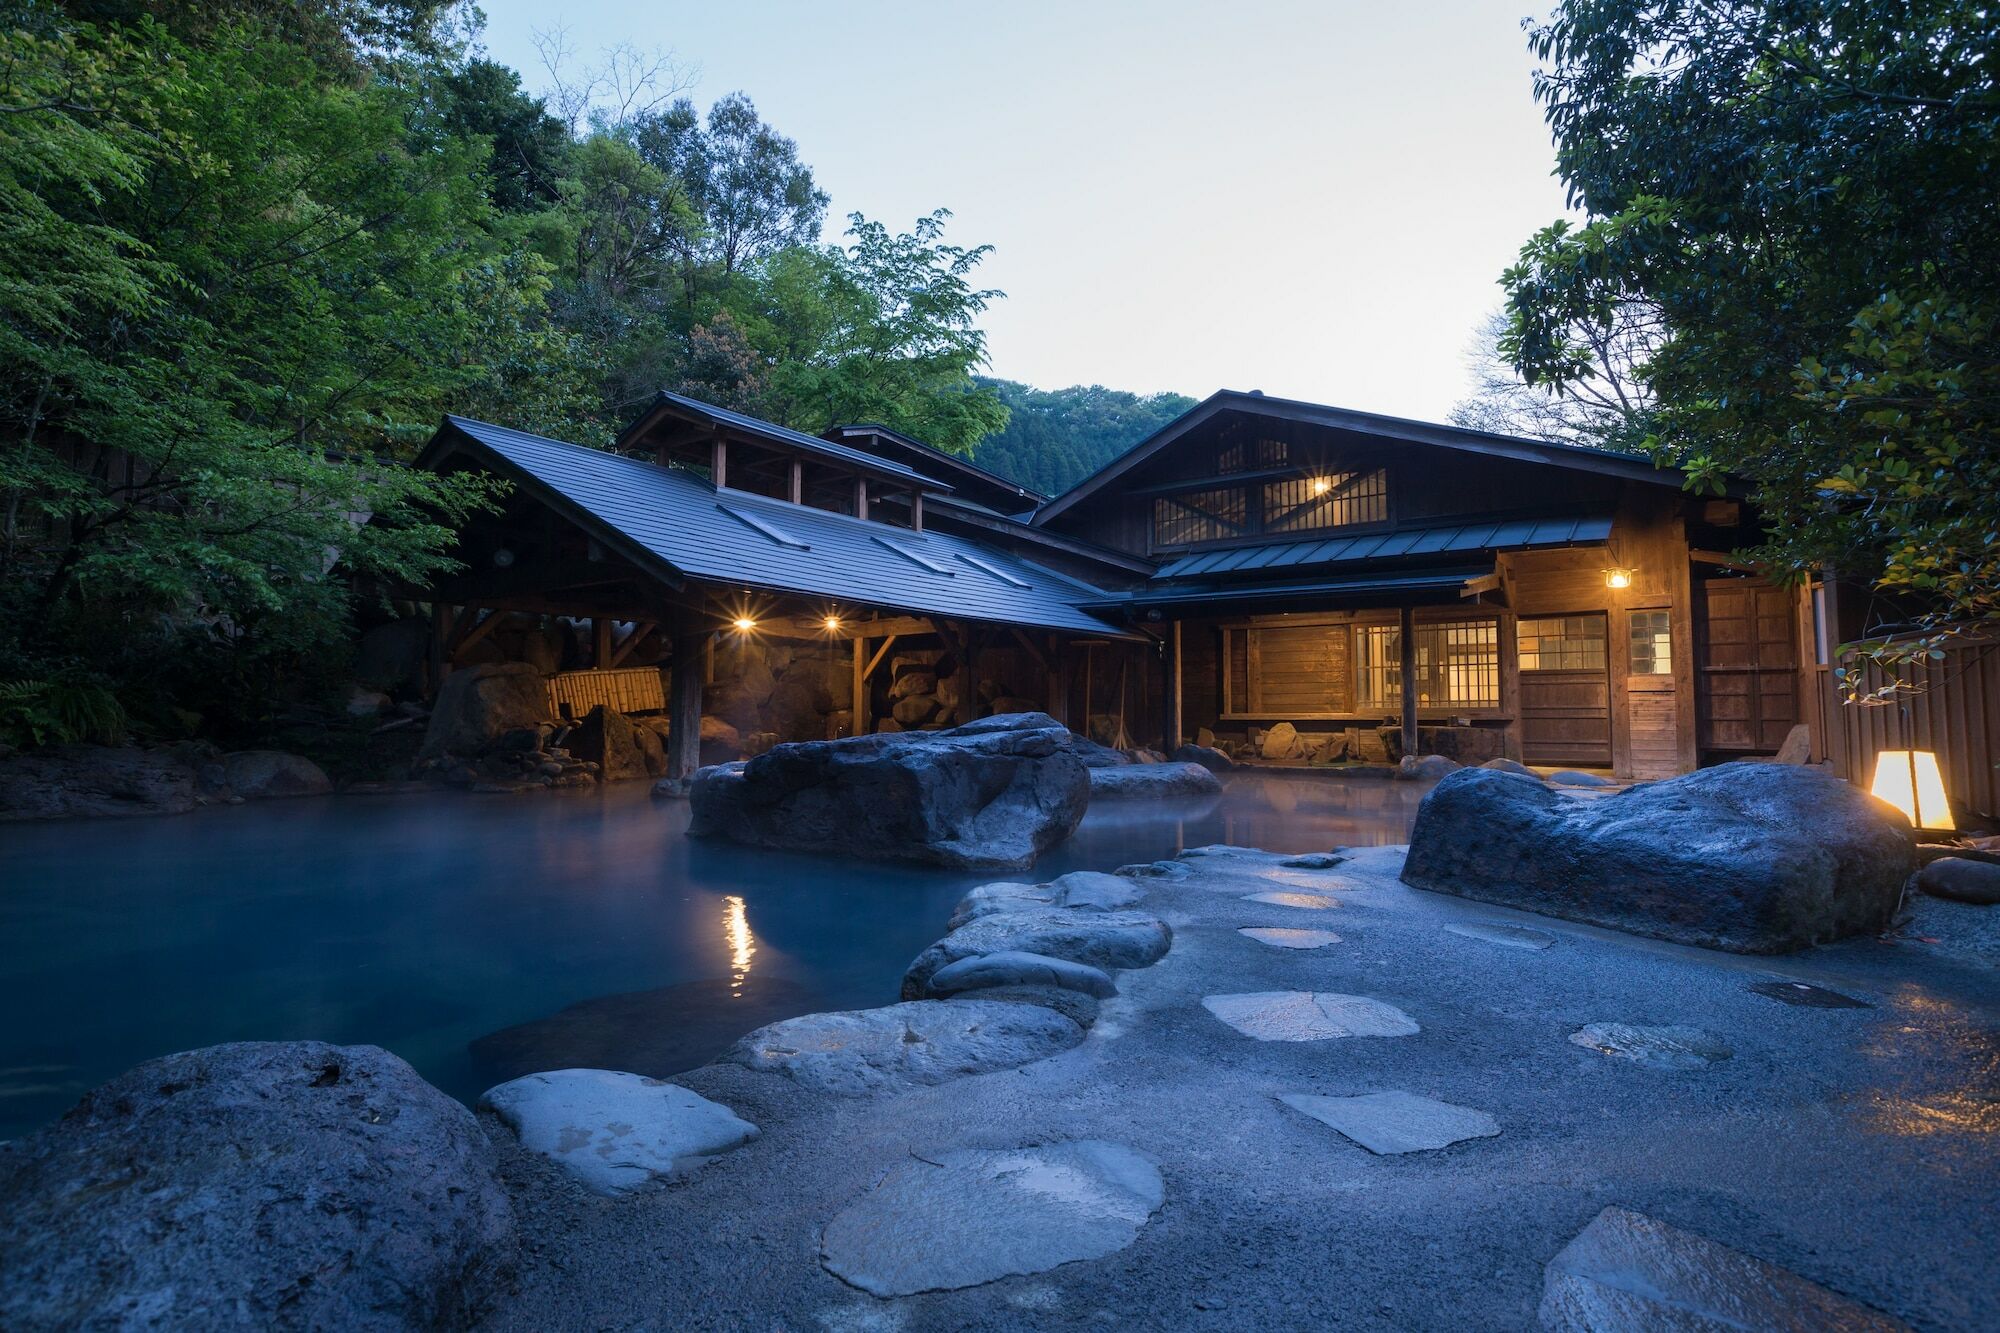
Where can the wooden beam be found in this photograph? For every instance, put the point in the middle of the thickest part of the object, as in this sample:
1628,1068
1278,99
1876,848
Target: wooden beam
858,700
718,467
600,642
861,497
876,660
1171,698
1408,668
1482,585
640,631
481,630
1719,558
916,511
1041,660
798,482
684,702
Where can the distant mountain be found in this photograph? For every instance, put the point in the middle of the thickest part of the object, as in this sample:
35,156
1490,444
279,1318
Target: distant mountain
1057,437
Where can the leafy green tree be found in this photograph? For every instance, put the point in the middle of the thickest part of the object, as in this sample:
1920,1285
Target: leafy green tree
1055,438
231,281
1805,191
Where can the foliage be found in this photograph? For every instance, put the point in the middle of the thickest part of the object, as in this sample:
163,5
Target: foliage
1056,438
1804,190
35,713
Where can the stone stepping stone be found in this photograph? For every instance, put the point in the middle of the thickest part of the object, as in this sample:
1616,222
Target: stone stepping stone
1396,1122
1314,861
1289,937
1312,902
1513,937
615,1132
1013,968
1660,1047
1080,890
1104,940
1296,1015
859,1052
1810,997
962,1218
1627,1271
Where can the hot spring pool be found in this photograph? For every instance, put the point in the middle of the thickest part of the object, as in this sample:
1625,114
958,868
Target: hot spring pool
482,937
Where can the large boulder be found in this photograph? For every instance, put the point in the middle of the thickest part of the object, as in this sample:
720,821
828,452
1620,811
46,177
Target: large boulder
259,774
1210,758
255,1185
1752,858
480,704
609,739
1143,782
1281,742
997,792
95,780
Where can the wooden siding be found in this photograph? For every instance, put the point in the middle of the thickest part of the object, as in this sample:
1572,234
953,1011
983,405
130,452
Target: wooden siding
1747,691
1954,711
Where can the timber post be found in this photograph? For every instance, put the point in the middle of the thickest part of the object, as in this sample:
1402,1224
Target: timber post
1408,667
685,675
1170,658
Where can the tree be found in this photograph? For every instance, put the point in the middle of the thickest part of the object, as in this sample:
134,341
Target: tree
882,330
1804,189
1055,438
741,182
1606,405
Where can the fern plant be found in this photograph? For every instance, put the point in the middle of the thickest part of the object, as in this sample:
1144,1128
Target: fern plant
35,713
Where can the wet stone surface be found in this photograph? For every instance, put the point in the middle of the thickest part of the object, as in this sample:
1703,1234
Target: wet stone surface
1387,1123
1307,1016
615,1132
1311,902
1290,937
1670,1047
1627,1271
1807,996
957,1219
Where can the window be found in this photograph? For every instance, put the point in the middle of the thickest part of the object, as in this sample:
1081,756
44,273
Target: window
1652,643
1457,666
1563,643
1328,500
1246,455
1203,516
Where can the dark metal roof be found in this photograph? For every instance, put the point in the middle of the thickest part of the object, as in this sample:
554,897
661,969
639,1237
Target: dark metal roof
929,456
757,428
1631,467
1355,587
731,537
1457,539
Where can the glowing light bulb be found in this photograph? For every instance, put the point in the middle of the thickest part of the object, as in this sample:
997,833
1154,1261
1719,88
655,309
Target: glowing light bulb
833,622
745,623
1321,485
1617,578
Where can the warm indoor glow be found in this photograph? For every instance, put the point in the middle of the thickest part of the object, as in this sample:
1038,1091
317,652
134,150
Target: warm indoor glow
1321,485
745,623
1617,578
833,624
1910,781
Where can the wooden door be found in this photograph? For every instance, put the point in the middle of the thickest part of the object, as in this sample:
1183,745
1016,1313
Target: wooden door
1565,690
1746,675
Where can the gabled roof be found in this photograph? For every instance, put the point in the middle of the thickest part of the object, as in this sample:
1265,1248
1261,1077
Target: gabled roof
679,404
1630,467
933,461
685,528
1482,537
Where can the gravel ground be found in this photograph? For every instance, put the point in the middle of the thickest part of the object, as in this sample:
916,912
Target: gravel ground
1854,1146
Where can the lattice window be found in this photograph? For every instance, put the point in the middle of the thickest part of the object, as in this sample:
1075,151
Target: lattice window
1652,643
1247,455
1328,500
1457,666
1378,665
1563,643
1203,516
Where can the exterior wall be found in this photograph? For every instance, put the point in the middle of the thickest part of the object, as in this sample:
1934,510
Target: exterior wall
1954,710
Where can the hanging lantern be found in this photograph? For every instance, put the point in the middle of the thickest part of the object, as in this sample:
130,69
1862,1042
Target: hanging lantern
1911,781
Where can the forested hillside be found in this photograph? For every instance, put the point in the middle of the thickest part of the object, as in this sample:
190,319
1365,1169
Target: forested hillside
1056,437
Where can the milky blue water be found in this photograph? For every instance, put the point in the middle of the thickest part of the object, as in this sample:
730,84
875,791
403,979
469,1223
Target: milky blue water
479,937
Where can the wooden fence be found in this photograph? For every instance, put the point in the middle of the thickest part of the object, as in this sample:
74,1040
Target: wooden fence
1954,710
623,690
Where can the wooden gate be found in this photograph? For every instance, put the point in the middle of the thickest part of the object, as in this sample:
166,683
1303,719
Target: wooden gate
1565,689
1746,676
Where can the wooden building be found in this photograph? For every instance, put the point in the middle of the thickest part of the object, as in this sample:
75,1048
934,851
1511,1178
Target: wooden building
1256,561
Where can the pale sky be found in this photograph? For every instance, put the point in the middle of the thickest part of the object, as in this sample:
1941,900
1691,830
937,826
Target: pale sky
1315,200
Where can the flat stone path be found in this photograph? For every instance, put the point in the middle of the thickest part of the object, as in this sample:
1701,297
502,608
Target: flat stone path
1388,1123
1512,937
962,1218
1289,937
1313,902
1305,1016
1672,1047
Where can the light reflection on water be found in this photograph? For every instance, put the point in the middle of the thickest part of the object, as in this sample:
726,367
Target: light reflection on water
427,924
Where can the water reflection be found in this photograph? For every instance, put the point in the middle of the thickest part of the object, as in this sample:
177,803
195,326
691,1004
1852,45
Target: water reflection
478,935
742,944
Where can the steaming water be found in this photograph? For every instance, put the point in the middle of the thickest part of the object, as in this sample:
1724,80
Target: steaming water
479,937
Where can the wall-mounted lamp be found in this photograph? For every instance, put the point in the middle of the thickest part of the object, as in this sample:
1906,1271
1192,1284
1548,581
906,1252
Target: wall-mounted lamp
1618,576
832,624
1910,781
745,624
